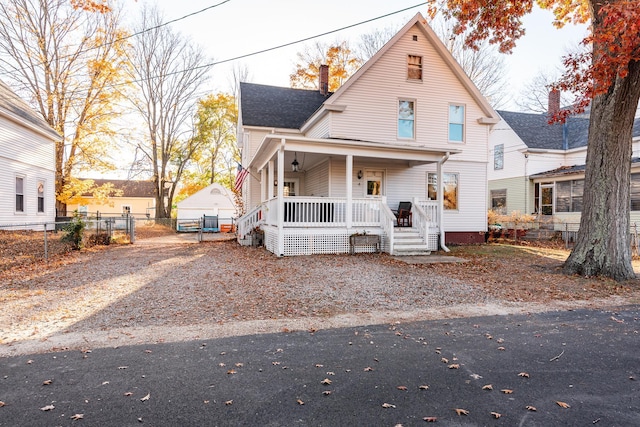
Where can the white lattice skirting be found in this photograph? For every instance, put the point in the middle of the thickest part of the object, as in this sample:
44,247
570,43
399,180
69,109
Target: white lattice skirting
309,242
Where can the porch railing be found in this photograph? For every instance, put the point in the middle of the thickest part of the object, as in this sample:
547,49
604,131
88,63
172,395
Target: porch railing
430,209
249,221
323,212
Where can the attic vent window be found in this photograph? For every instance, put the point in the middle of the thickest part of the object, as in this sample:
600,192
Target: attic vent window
414,67
415,38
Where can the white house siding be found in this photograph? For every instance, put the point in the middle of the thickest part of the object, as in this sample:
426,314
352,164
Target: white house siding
519,193
321,129
32,156
514,160
316,180
372,102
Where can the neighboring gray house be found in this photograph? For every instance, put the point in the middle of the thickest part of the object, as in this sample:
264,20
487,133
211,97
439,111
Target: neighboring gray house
27,164
538,168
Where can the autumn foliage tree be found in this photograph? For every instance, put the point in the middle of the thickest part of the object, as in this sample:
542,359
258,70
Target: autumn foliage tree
607,78
69,63
342,62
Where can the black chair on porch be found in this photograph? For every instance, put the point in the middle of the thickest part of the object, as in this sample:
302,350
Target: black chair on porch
403,214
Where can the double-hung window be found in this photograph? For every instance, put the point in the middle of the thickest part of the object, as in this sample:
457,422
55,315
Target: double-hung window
498,157
456,123
450,184
19,194
414,67
406,119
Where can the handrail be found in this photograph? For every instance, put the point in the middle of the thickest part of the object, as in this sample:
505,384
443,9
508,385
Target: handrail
387,221
421,219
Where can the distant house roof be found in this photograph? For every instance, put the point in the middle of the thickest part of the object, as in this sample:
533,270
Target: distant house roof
13,105
536,132
277,107
569,170
130,188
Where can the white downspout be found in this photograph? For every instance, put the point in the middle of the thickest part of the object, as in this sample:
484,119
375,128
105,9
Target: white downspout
441,201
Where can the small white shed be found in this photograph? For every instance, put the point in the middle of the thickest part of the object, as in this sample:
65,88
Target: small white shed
213,200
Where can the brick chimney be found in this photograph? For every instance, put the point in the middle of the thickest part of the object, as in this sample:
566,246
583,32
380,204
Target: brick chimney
554,102
324,80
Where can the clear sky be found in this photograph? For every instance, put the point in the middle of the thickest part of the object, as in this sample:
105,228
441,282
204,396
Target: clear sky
241,27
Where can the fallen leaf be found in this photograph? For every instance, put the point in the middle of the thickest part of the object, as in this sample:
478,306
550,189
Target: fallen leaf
29,362
331,373
506,391
563,404
487,387
402,387
300,402
47,382
231,371
444,360
475,376
496,415
368,369
275,363
423,387
239,365
228,402
523,374
430,419
326,381
499,340
319,365
122,367
501,348
326,392
147,397
388,405
221,364
128,394
47,408
453,366
460,411
77,417
531,408
2,403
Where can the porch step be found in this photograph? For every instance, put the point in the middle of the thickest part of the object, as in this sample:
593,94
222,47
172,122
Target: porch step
408,242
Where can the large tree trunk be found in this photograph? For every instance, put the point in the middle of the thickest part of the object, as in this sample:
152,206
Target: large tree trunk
603,246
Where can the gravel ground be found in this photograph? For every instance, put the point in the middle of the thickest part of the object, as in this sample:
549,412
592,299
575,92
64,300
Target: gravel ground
149,292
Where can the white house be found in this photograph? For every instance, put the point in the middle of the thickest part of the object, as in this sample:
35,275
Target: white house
27,164
538,168
213,200
408,126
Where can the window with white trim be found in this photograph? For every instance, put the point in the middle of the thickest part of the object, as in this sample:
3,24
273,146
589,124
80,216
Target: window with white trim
414,67
19,193
456,123
498,157
406,119
450,184
40,190
499,201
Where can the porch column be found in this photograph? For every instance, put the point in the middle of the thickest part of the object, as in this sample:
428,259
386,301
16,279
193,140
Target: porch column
349,181
441,201
280,251
270,181
263,193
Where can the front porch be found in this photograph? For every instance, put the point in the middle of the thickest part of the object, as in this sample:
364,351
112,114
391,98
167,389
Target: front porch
323,225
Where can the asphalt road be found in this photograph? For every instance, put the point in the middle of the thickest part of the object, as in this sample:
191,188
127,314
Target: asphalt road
571,368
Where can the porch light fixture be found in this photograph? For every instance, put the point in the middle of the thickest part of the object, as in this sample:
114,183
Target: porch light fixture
360,174
295,164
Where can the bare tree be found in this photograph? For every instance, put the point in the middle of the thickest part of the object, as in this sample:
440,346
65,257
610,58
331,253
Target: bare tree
169,71
240,73
68,63
371,43
534,97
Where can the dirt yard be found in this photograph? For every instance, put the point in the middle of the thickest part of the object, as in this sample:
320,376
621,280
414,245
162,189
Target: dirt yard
156,291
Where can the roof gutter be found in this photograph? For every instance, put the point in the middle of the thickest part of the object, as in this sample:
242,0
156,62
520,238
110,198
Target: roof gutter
441,201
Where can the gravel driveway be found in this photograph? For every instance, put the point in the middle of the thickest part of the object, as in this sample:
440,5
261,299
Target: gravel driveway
167,290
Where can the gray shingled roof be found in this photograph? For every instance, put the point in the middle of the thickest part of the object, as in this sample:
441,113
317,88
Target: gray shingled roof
536,132
278,107
569,170
12,103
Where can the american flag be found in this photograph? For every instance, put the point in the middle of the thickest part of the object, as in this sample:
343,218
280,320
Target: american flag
240,177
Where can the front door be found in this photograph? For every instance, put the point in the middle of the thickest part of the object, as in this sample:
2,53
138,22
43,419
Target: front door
546,199
374,180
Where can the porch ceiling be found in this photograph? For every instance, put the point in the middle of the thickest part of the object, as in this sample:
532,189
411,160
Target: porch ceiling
321,147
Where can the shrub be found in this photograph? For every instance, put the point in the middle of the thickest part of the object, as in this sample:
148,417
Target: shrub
74,232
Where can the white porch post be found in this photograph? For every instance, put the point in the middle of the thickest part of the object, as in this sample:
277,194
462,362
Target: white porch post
441,202
270,180
281,199
263,193
349,181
